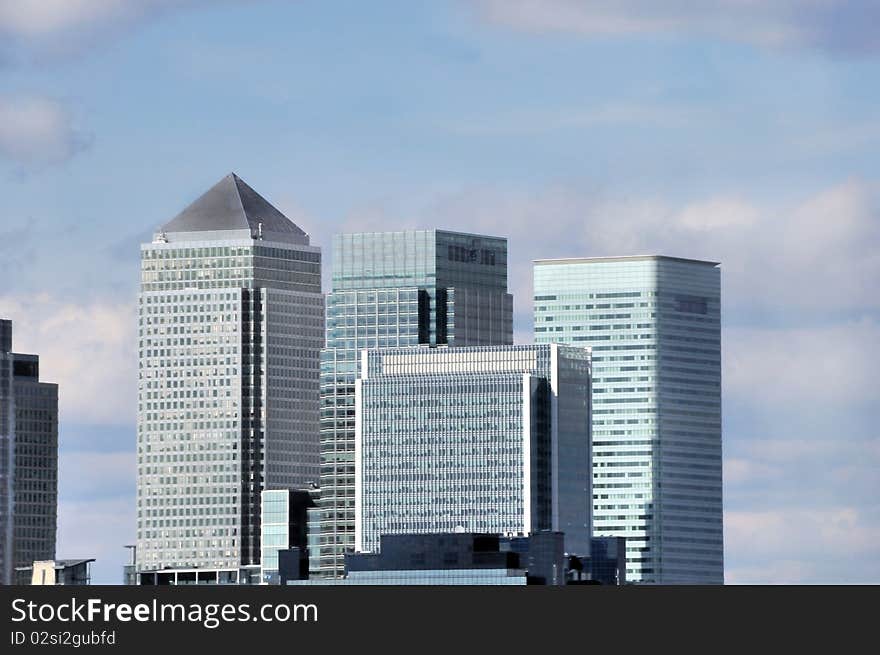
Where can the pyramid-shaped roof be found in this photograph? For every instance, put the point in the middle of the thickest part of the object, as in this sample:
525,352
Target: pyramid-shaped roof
233,205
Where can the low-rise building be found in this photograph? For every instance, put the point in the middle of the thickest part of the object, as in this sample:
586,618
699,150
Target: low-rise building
58,572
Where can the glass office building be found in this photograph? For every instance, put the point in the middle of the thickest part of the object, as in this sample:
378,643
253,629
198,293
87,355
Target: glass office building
28,462
491,439
393,289
653,324
284,531
275,531
230,327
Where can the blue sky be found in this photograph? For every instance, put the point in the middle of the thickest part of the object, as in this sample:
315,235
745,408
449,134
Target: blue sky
745,133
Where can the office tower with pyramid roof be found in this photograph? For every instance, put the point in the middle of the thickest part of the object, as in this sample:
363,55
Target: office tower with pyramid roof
230,327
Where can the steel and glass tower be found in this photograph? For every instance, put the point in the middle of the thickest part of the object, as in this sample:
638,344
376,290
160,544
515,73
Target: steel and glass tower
653,324
393,289
230,327
489,439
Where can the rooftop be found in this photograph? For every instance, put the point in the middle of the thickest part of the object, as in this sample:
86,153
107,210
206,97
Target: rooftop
57,564
422,230
625,258
233,205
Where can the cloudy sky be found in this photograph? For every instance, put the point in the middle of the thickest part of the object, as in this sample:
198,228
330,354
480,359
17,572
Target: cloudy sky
738,131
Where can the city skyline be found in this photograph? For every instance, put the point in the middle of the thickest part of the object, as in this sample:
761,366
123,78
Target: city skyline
748,139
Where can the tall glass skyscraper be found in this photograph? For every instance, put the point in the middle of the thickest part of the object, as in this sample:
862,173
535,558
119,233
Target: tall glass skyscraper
394,289
230,327
28,462
654,326
492,439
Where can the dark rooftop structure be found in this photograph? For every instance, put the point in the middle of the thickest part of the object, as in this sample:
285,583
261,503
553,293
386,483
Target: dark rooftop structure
471,558
607,561
424,552
5,335
233,205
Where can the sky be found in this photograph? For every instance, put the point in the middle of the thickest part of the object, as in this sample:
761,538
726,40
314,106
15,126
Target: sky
741,132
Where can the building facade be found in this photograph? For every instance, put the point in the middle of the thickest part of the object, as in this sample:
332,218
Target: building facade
654,326
490,439
58,572
607,561
284,529
465,558
230,327
129,571
393,289
28,462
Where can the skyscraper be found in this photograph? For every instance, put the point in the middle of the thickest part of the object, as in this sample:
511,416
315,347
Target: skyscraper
28,462
230,327
492,439
394,289
653,324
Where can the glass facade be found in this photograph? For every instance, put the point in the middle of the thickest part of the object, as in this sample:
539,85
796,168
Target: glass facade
28,462
492,439
275,531
393,289
441,577
462,558
230,327
607,561
653,324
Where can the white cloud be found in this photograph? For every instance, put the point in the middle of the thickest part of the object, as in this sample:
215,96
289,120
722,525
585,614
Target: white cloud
778,571
718,213
37,131
42,18
806,545
831,25
88,349
819,468
801,509
743,471
59,25
783,451
834,365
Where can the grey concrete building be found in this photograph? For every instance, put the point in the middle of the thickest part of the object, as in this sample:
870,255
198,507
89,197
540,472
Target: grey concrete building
230,326
57,572
28,462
